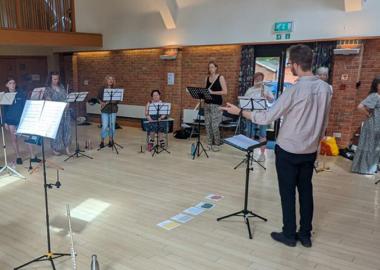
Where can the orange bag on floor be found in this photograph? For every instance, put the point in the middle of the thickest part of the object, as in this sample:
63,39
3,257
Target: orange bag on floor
329,147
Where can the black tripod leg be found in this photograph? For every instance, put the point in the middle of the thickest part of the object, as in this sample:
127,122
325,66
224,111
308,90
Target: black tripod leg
84,155
33,261
248,226
204,150
230,215
378,181
241,162
258,216
52,263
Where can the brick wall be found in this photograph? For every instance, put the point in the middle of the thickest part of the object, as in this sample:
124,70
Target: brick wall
344,117
140,71
137,71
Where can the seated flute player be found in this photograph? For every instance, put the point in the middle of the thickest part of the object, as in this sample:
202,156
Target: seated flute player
154,126
12,116
304,108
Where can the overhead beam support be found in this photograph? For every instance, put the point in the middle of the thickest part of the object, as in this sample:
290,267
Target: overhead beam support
169,11
50,39
353,5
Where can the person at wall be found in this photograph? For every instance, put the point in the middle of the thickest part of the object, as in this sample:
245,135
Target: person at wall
258,91
367,155
108,110
55,91
154,126
323,74
12,116
213,116
304,108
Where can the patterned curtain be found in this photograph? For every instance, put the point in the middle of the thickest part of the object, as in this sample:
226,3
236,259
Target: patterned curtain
323,56
247,68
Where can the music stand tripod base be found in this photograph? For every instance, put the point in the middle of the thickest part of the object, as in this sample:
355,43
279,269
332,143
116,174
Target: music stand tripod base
11,172
245,213
378,181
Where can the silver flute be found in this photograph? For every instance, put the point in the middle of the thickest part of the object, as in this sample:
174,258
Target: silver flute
72,250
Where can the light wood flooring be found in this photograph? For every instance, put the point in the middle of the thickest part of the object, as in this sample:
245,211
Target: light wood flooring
141,191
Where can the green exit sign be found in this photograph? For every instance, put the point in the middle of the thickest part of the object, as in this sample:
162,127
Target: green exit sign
283,27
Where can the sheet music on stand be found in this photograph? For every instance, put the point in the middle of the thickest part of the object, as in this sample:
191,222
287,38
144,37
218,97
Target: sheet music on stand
41,118
76,97
253,104
7,98
38,93
117,94
164,108
199,93
242,143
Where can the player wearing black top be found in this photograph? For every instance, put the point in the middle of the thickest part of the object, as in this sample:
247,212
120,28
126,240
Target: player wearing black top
213,116
12,115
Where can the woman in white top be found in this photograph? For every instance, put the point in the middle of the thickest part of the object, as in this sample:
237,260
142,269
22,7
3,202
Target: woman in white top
258,91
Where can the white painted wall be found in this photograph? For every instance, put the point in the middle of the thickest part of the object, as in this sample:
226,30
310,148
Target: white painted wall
137,23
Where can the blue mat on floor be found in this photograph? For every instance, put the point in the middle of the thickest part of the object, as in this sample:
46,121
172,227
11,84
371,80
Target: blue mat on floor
271,145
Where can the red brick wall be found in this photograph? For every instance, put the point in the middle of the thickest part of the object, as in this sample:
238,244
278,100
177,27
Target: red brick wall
137,71
344,117
195,68
140,71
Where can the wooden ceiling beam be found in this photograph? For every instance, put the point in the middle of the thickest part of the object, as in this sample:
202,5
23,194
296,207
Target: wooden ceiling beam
50,39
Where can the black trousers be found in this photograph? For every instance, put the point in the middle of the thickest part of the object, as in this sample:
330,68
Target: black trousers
295,171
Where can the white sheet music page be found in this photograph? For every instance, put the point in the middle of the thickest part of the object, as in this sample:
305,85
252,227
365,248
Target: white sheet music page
7,98
38,93
41,118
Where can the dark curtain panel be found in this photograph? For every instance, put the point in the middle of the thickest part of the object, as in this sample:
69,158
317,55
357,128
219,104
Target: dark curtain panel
323,55
247,68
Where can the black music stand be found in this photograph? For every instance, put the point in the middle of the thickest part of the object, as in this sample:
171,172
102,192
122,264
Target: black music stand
111,95
250,104
199,94
378,181
42,118
246,145
159,109
76,97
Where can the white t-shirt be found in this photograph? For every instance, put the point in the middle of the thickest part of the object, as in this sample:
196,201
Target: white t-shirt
255,92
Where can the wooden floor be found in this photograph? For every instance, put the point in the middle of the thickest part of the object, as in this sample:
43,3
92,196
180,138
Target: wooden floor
138,192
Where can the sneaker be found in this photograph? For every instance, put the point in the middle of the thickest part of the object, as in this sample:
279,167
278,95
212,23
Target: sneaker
35,159
101,145
261,158
110,143
215,148
19,161
280,237
305,241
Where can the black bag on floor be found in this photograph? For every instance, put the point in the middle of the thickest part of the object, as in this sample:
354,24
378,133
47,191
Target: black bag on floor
182,134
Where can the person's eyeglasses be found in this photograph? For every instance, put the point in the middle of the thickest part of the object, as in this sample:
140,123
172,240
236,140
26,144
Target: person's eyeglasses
289,63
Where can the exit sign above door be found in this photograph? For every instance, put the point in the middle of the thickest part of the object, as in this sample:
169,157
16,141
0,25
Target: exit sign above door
283,27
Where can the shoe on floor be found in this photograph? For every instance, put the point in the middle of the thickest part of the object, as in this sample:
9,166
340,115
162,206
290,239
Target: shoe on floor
261,158
305,241
35,159
280,237
215,148
19,161
101,145
110,144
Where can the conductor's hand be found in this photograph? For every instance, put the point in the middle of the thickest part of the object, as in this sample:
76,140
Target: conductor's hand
149,118
232,109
